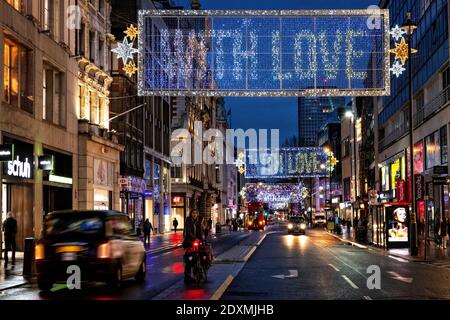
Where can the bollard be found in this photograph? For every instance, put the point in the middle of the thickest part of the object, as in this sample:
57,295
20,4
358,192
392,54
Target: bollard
28,257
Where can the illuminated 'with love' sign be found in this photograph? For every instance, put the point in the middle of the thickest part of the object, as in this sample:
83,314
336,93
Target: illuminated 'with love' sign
264,53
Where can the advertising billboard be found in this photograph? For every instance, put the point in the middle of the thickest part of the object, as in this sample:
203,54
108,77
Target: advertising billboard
397,226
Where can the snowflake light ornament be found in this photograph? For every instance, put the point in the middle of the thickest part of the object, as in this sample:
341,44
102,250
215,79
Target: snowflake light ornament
125,50
397,68
397,32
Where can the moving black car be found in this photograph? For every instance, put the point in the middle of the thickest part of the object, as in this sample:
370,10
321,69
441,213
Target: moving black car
100,243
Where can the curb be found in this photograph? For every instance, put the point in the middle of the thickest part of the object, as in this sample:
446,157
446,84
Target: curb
385,252
14,286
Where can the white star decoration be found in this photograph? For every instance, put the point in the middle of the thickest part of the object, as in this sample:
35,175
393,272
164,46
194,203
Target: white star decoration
125,50
239,163
397,32
397,68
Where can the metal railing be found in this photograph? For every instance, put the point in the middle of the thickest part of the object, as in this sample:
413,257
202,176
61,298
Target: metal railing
433,106
393,136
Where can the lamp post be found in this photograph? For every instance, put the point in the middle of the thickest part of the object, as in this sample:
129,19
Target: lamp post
328,152
409,27
351,115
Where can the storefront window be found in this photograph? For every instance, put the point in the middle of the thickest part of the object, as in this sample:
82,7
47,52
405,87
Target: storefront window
433,150
385,178
395,172
444,148
101,199
418,157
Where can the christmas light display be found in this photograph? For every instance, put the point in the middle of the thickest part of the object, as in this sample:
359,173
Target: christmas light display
276,194
125,50
263,53
289,163
400,51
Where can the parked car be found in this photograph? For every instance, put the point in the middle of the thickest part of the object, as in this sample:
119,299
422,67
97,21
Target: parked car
101,243
319,220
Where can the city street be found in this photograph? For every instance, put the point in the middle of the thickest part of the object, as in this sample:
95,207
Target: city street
324,267
283,267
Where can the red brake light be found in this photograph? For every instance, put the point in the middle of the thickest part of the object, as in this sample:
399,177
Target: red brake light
196,243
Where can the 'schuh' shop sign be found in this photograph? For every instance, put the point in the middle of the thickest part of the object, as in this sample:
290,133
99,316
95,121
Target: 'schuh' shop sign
264,53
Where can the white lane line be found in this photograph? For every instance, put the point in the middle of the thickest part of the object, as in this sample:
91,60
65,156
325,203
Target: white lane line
398,259
334,267
354,286
367,298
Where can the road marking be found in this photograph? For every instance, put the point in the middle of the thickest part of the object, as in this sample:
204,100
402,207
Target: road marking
367,298
292,274
249,254
350,282
219,292
334,267
396,276
398,259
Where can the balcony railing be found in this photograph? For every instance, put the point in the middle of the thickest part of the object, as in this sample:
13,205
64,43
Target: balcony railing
432,107
393,136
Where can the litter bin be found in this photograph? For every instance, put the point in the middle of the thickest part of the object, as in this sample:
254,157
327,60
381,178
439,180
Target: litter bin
28,257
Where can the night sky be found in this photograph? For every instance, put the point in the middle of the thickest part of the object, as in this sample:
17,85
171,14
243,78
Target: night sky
272,113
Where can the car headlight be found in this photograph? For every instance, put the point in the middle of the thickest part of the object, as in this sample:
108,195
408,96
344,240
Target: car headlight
39,252
303,226
290,226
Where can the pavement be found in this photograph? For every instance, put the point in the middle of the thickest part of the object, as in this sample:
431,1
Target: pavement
12,277
435,255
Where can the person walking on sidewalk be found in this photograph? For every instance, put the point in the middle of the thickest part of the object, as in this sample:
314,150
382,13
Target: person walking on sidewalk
175,224
147,230
443,232
10,231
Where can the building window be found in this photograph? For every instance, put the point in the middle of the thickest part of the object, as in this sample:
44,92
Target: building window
446,78
94,107
444,148
346,147
101,57
101,6
18,76
81,41
433,150
92,46
52,106
16,4
48,17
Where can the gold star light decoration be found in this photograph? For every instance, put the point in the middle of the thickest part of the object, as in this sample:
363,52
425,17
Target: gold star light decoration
132,32
130,68
400,51
126,50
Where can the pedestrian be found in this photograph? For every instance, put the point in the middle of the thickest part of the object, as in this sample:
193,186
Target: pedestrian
230,225
349,226
10,231
444,231
210,224
175,224
148,228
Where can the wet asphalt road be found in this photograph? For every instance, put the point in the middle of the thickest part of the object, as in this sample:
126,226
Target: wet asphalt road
319,266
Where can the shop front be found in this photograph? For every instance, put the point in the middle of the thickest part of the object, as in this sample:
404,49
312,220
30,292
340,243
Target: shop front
57,180
18,188
133,199
103,185
179,209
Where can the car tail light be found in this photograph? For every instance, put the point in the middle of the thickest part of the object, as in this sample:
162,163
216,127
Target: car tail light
196,243
39,252
104,251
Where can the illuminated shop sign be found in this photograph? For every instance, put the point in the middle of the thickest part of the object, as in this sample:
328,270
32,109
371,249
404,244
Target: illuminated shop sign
46,162
19,168
264,53
6,152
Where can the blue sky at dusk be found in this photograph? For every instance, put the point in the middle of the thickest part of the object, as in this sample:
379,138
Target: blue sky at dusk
271,113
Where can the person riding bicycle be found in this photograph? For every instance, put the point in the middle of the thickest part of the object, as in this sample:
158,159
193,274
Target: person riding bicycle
193,230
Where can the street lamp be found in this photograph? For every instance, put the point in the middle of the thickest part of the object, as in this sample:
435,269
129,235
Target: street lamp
409,27
351,115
